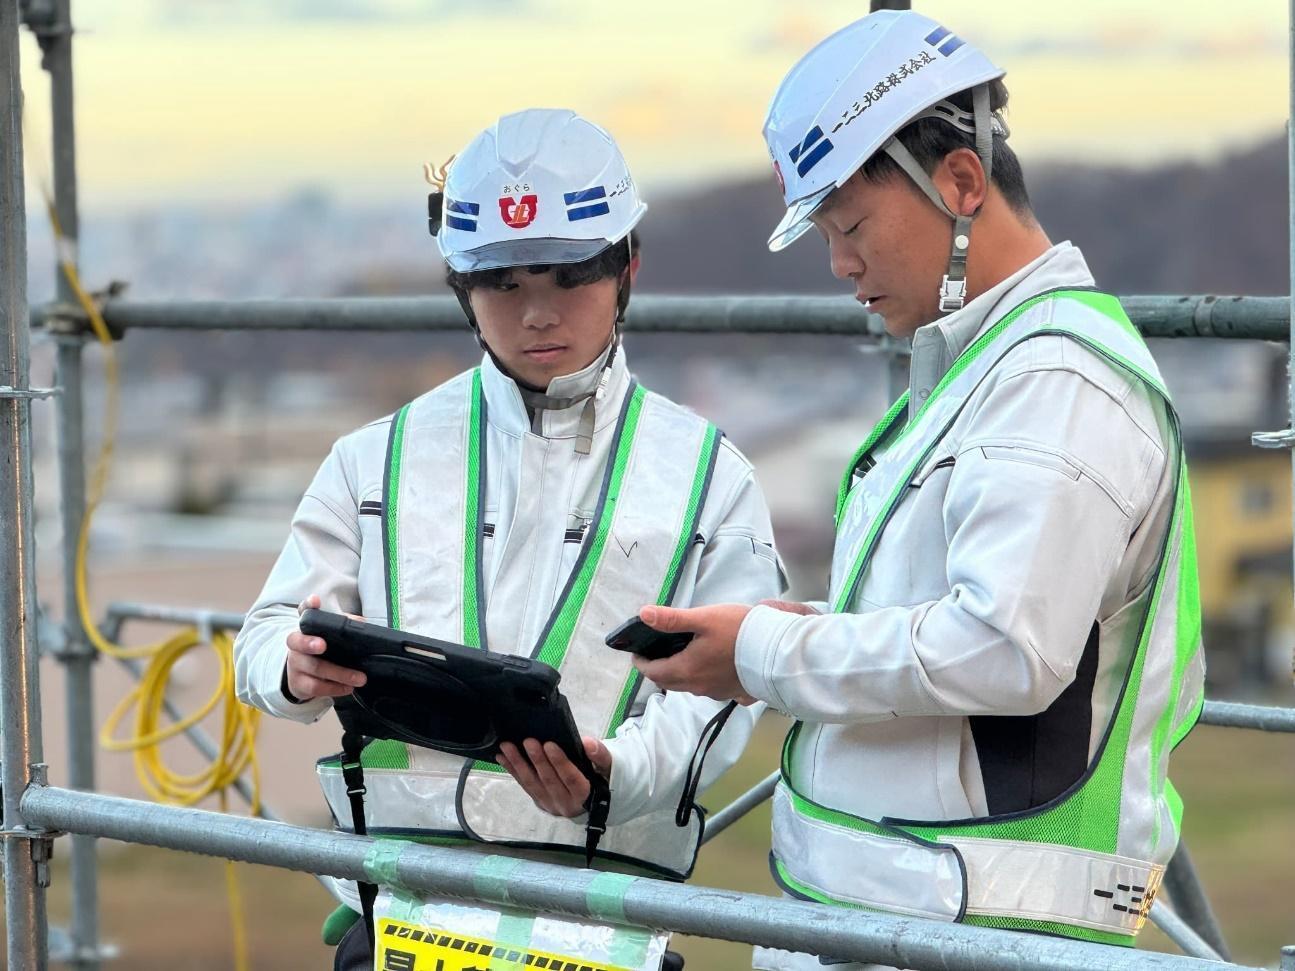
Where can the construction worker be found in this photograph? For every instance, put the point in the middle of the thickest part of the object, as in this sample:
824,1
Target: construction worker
527,506
1010,647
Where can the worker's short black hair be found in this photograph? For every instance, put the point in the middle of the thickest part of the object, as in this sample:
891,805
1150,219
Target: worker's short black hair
931,139
611,262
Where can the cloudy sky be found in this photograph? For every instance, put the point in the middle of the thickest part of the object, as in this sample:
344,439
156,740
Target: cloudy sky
228,99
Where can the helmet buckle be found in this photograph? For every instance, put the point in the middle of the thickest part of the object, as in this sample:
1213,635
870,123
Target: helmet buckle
953,294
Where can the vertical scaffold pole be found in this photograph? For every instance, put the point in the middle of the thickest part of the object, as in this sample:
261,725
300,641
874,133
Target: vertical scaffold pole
25,863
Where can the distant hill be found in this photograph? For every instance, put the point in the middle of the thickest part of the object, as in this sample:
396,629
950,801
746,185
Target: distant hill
1176,228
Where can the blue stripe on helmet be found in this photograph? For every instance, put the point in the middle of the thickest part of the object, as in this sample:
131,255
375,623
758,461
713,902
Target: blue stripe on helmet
951,45
585,195
937,35
811,136
467,225
815,156
588,212
467,208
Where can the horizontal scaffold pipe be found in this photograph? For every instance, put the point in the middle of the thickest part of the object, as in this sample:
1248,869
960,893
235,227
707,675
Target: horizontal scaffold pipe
1259,717
703,911
217,619
1262,318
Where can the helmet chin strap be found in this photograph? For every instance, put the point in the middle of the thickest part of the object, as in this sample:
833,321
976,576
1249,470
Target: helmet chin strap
535,399
953,289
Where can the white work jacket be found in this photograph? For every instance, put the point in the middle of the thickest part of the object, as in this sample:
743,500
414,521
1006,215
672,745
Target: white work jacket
1040,516
540,495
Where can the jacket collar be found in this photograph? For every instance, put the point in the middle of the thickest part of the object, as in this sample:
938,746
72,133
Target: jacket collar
937,345
507,411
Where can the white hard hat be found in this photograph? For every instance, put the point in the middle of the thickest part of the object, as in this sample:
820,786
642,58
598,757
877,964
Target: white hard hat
848,96
539,186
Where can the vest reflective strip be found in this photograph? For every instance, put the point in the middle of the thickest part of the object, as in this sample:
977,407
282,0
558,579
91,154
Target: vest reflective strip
474,497
903,874
653,493
889,870
1032,881
424,803
1078,885
433,435
390,795
494,809
880,432
391,497
470,450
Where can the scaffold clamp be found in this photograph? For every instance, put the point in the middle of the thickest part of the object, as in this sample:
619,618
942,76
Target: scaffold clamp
7,391
1282,439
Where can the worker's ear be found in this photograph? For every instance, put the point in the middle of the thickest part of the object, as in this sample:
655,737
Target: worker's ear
960,180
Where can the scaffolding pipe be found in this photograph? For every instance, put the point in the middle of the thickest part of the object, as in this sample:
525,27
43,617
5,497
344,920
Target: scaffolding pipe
26,867
1227,714
215,619
1251,318
740,806
77,656
636,901
1290,202
1178,931
1187,893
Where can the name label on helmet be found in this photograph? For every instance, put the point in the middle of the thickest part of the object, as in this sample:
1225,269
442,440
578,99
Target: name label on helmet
884,86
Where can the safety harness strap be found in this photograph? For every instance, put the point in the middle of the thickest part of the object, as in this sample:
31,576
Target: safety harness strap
353,776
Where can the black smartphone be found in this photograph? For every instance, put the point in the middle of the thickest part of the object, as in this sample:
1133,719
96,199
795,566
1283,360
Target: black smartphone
638,638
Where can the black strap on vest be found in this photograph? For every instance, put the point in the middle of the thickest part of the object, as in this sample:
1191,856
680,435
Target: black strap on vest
353,776
598,805
709,736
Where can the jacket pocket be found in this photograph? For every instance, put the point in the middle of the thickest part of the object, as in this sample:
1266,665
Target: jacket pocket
941,461
1026,455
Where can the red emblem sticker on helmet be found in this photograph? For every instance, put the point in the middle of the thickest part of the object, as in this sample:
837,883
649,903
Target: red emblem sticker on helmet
518,213
777,170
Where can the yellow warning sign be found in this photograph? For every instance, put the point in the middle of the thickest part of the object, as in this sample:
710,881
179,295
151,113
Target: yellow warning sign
408,947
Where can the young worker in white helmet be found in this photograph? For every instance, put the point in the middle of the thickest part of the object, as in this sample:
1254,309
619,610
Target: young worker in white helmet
527,506
1010,647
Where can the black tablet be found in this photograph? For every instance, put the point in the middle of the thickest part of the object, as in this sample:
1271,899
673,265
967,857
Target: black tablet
446,696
